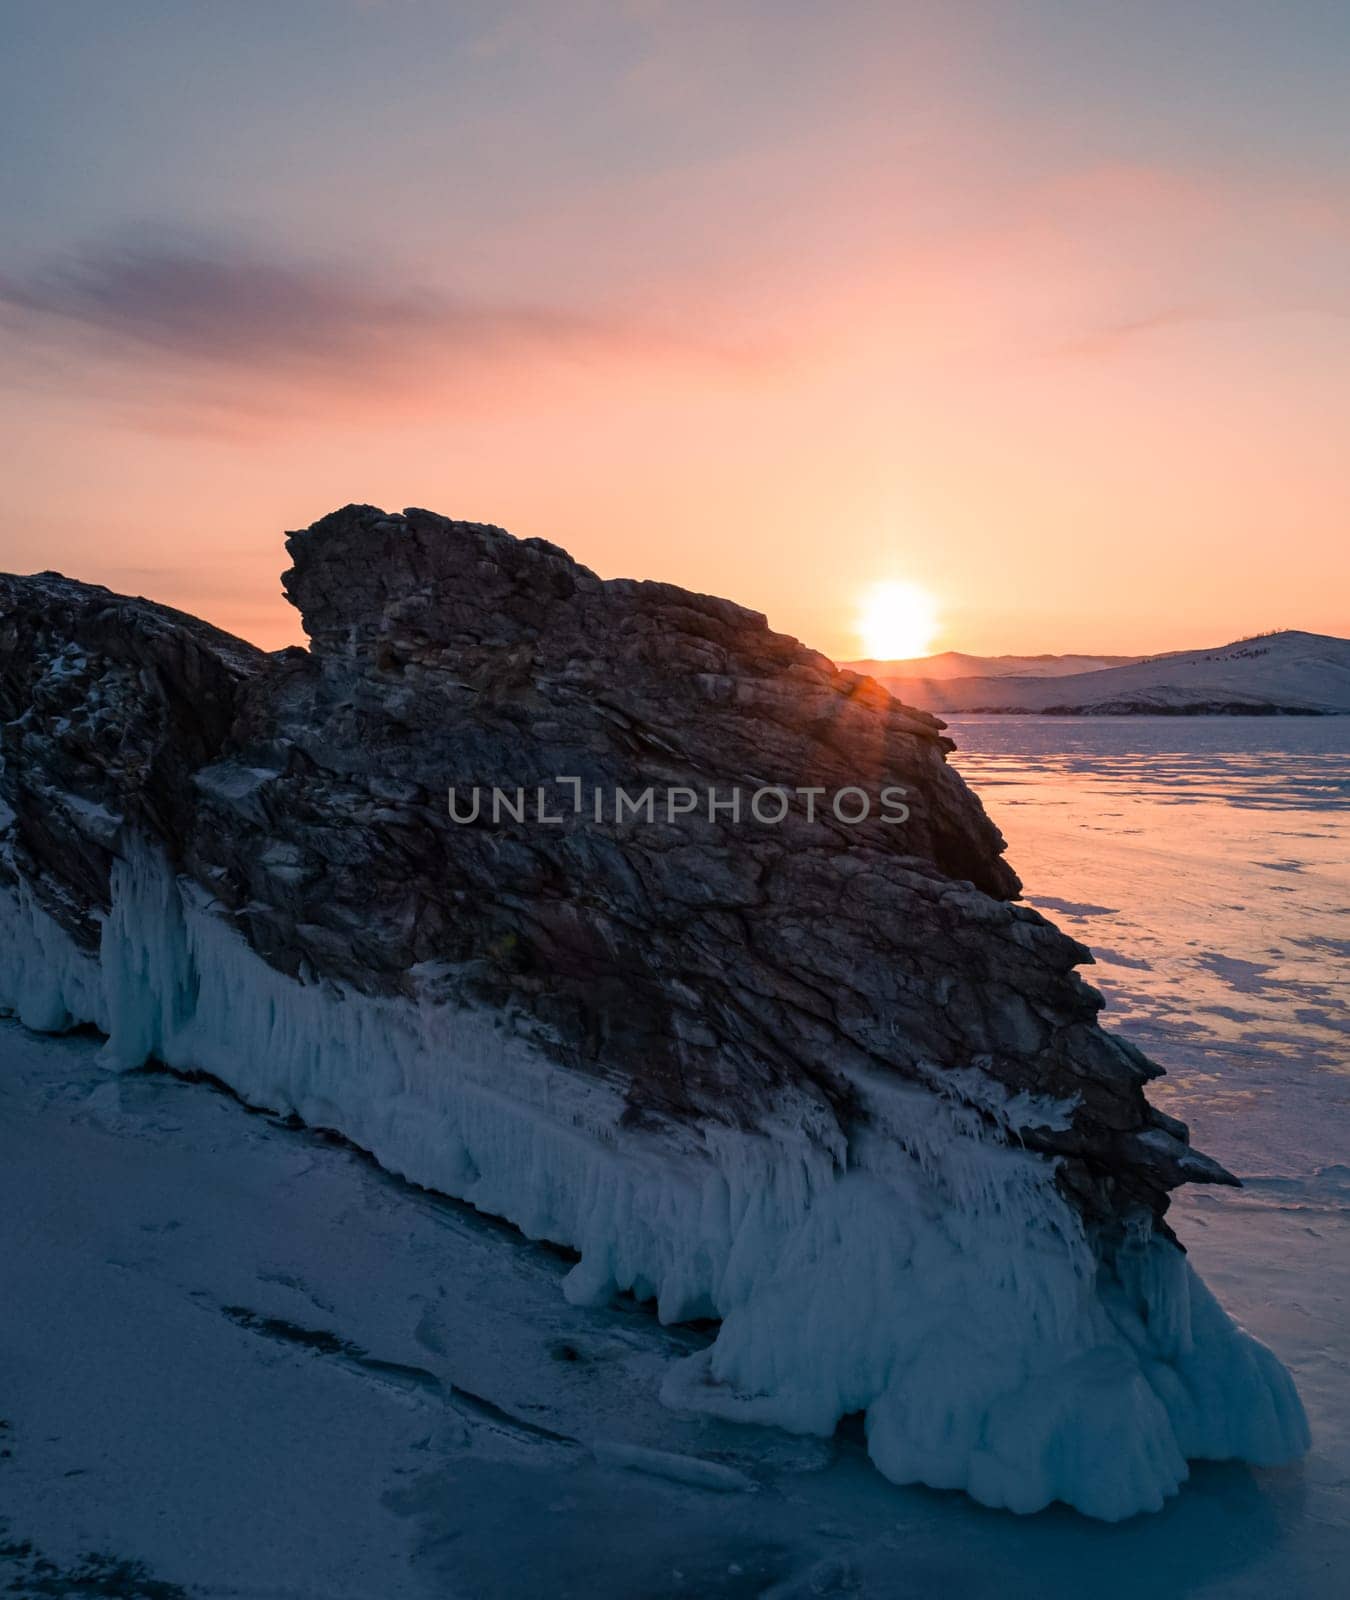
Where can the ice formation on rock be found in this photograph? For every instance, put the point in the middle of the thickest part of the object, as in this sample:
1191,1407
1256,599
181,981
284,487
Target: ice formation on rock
826,1083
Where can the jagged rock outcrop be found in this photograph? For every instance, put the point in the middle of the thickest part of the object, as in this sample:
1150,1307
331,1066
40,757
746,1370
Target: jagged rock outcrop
825,1079
705,962
108,708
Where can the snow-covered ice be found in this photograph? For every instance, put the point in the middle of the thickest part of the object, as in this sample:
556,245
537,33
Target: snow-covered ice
322,1381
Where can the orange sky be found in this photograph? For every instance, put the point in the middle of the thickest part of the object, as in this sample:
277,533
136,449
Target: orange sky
748,306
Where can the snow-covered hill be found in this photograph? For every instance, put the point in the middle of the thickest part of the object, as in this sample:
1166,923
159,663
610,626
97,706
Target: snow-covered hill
1289,672
959,664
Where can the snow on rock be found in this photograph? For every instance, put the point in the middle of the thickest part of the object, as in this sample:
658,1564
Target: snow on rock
824,1082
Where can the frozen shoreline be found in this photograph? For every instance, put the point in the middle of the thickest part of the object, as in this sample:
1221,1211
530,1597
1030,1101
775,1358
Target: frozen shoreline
929,1276
300,1410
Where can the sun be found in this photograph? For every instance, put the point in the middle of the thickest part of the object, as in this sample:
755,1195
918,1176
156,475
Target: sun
897,621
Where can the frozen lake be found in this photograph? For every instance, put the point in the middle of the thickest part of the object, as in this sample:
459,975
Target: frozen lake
236,1359
1206,863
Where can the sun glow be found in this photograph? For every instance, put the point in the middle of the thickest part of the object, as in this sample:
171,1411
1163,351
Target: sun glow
897,621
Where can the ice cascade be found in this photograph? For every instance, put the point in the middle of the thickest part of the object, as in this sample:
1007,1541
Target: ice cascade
928,1274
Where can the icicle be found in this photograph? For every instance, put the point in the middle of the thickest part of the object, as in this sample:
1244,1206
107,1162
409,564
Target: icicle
931,1275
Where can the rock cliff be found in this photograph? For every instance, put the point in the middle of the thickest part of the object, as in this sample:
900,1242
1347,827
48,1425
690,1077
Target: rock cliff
249,863
703,962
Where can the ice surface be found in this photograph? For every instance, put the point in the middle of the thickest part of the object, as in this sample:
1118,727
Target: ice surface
677,1468
246,1358
1207,866
930,1277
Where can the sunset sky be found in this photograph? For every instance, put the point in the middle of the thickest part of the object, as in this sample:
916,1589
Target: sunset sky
1043,306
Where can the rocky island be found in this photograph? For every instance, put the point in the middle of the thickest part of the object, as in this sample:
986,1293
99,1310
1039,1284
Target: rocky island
819,1076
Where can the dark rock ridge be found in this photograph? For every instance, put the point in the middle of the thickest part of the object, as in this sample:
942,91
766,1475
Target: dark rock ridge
699,964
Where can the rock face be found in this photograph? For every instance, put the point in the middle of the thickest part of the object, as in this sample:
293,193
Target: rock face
108,707
708,977
702,962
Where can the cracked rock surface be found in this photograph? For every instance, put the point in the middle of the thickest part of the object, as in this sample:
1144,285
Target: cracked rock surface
701,962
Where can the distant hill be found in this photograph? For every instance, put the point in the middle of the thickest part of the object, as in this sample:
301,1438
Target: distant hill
957,664
1290,673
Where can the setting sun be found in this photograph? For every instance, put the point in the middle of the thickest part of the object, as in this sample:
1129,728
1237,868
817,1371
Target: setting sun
897,621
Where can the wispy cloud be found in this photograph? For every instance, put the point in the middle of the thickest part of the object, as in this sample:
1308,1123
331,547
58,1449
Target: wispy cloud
221,303
237,334
1114,337
1111,336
